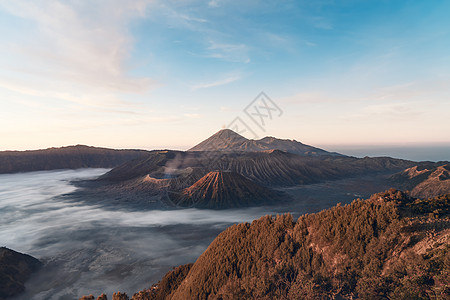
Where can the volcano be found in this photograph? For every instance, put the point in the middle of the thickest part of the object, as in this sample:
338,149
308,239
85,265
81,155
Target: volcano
228,140
222,189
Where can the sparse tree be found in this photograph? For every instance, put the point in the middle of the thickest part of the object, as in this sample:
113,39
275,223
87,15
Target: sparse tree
120,296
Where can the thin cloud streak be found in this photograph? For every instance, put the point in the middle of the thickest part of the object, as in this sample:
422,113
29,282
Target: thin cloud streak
216,83
228,52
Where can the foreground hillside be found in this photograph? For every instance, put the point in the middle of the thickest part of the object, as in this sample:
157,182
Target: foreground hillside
390,246
71,157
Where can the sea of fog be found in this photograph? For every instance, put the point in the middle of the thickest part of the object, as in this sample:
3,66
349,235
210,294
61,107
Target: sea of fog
89,249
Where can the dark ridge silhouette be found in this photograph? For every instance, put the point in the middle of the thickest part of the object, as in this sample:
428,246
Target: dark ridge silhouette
219,189
15,269
70,157
228,140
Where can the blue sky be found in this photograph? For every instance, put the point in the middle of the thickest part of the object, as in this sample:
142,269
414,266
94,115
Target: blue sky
167,74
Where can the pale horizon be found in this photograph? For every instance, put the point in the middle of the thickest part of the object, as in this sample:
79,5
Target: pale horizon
163,74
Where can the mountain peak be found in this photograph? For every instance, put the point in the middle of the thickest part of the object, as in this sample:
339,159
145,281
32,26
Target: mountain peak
228,140
228,133
223,140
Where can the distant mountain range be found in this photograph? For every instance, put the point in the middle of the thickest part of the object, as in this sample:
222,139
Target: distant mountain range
70,157
228,140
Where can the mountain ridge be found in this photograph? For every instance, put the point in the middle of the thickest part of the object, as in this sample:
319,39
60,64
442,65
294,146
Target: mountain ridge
67,157
426,181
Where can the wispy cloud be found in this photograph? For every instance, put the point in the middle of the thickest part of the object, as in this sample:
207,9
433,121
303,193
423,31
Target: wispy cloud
215,83
193,19
82,47
391,110
214,3
228,52
228,109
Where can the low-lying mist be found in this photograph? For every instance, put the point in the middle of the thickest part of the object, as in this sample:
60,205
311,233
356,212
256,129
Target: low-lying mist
89,249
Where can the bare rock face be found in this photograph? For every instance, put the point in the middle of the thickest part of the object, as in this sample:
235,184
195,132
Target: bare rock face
15,269
228,140
221,189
